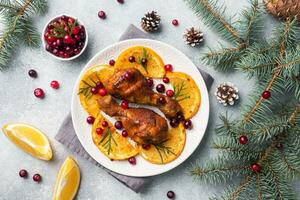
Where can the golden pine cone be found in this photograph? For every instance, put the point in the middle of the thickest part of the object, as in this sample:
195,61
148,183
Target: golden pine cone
283,9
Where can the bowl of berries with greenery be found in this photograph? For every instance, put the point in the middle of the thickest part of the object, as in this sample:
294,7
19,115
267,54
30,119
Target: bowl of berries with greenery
65,37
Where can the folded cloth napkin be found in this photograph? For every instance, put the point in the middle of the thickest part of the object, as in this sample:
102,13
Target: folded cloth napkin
67,136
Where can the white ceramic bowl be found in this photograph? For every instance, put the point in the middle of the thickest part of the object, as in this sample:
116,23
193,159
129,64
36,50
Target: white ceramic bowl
75,56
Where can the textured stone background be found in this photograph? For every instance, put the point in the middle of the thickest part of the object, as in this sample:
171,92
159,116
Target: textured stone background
17,103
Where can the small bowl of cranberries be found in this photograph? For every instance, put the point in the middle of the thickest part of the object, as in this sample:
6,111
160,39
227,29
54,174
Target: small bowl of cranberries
65,37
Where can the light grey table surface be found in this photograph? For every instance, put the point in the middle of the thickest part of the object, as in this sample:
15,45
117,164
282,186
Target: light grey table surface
18,104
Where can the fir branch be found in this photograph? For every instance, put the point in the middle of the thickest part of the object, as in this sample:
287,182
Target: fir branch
244,183
214,16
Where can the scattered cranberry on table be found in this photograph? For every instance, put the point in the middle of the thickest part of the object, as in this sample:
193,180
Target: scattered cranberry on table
32,73
170,194
54,84
175,22
120,1
99,131
124,104
170,93
118,125
150,82
166,80
132,160
169,67
39,93
160,88
90,119
187,124
37,178
64,37
23,173
146,146
105,124
101,14
124,133
102,92
111,62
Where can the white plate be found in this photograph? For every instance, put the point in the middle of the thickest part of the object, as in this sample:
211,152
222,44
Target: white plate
143,168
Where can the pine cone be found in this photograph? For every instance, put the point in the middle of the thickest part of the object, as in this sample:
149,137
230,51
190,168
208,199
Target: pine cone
193,37
150,22
283,9
227,94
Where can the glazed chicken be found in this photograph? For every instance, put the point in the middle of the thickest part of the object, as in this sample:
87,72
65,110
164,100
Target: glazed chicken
143,125
131,85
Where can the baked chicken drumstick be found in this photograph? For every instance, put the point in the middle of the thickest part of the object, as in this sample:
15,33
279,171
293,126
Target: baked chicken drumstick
131,85
143,125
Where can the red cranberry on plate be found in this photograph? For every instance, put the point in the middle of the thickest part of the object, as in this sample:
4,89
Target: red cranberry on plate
132,160
160,88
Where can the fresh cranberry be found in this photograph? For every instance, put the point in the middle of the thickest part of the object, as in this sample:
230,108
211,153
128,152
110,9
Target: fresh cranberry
124,104
146,146
175,22
37,178
59,42
66,55
68,39
160,88
64,18
170,93
187,124
104,124
150,82
180,117
77,37
255,167
66,29
132,160
124,133
120,1
162,100
99,85
102,92
48,48
169,67
99,131
101,14
61,54
118,125
243,139
144,61
131,59
76,51
94,90
166,80
90,119
71,21
39,93
266,94
170,194
111,62
32,73
75,30
174,122
55,51
51,38
128,76
23,173
54,84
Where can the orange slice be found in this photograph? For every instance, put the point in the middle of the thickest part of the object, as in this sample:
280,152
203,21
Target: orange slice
67,181
154,67
167,150
110,143
89,80
29,139
186,92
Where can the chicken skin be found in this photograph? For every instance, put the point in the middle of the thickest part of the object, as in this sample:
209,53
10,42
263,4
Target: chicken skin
143,125
131,85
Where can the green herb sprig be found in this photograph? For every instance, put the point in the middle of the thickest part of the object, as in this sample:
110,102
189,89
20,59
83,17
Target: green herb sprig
145,55
163,150
107,141
180,92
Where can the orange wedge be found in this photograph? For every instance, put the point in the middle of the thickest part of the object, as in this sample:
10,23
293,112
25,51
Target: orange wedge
67,181
29,139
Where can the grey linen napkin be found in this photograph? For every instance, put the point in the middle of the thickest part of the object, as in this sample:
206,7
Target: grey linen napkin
67,136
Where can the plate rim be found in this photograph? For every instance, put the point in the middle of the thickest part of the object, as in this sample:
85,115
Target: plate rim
88,65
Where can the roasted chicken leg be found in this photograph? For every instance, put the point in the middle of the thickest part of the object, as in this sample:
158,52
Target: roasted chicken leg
131,85
143,125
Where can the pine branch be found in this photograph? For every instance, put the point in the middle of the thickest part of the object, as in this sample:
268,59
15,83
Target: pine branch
213,15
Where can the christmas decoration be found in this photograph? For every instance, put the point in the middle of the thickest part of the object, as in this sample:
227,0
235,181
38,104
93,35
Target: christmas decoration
193,37
283,9
265,171
150,22
227,94
18,27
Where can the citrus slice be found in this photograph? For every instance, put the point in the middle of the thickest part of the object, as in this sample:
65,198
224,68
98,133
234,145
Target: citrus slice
167,150
186,92
110,143
67,181
153,67
29,139
89,80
